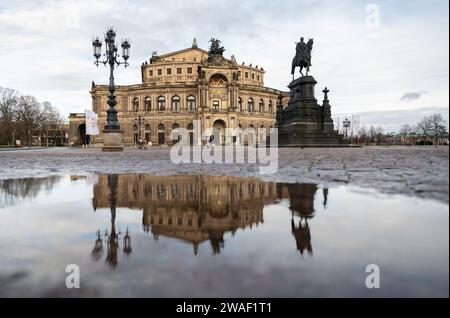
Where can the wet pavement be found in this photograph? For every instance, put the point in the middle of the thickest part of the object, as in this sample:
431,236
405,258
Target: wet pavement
213,236
416,171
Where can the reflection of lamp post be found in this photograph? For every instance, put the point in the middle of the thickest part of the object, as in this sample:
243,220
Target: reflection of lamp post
97,251
112,132
112,236
346,124
127,244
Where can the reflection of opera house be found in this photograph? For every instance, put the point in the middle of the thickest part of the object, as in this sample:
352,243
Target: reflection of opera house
195,209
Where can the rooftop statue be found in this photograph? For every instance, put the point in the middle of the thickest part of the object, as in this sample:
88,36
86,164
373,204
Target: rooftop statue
215,48
302,56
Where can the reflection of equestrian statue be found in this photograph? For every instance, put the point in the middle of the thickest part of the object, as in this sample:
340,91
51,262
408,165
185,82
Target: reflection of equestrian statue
302,56
302,236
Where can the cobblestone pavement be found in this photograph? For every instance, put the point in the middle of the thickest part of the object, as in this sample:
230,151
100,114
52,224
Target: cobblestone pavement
417,171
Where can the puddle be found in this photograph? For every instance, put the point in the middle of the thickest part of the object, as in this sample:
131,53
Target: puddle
204,236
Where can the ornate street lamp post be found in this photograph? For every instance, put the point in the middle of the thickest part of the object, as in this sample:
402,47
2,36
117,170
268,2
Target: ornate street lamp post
112,134
346,124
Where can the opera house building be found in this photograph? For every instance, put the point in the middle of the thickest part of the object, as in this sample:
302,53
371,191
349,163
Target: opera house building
180,87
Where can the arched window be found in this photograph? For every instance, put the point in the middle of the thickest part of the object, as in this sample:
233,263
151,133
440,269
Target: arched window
161,134
148,104
250,105
191,103
176,103
240,104
136,104
240,135
135,134
148,133
190,128
161,103
176,136
251,135
261,106
270,107
262,132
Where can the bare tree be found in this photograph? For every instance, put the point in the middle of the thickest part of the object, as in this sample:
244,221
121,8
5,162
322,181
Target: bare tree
423,128
363,134
372,134
405,133
21,116
49,118
438,127
379,134
8,108
27,117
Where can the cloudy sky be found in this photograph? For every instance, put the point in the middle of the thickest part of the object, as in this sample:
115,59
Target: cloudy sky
373,55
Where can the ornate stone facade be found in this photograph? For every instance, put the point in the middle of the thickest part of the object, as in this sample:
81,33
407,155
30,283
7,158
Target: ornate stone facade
180,87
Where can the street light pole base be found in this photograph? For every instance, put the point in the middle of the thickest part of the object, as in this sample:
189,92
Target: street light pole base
112,140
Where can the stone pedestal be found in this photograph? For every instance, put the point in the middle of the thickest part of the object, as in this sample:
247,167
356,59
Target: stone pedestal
112,140
305,123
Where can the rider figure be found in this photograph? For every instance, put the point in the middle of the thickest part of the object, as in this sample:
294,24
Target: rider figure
302,56
301,50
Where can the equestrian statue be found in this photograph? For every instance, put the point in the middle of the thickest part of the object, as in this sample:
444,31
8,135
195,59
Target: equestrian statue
302,57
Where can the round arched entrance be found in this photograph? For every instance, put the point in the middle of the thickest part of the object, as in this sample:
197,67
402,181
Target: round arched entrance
161,134
219,132
83,139
190,128
148,133
176,136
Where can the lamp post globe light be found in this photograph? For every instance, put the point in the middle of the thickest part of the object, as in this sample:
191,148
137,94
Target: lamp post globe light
112,134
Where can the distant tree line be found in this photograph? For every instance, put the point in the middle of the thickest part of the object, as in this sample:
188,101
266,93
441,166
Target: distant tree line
431,130
23,115
371,135
13,189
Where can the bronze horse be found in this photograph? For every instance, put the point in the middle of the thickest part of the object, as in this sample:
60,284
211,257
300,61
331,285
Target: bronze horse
302,57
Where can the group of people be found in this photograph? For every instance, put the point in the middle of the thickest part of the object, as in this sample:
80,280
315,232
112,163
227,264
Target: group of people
142,145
